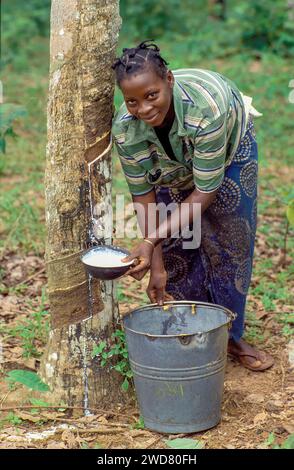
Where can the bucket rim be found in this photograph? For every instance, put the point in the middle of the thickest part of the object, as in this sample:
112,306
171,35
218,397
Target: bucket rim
231,316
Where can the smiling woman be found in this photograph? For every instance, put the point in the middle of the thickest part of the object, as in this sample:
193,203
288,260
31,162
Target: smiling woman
187,136
151,105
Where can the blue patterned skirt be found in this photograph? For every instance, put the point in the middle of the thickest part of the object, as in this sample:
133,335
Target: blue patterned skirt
219,271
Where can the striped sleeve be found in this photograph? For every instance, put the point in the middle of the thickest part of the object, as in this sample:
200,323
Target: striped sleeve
210,148
135,174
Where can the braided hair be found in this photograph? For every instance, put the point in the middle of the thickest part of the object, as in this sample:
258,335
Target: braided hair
139,58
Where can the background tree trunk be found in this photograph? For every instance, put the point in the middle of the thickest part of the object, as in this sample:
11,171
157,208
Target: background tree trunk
217,9
83,310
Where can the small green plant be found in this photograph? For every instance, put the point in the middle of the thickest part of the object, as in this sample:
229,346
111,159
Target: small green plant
13,419
290,212
253,335
139,424
121,297
8,114
288,321
27,378
289,225
184,443
115,356
84,445
35,328
271,442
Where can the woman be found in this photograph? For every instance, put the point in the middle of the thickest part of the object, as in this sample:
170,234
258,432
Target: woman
187,136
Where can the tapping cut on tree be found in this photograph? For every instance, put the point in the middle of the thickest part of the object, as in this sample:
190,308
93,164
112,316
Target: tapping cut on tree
80,108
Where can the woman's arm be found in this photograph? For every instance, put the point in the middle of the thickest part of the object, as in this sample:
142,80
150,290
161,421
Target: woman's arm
141,204
179,218
158,275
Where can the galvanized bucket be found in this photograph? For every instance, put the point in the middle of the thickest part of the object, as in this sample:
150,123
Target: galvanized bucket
178,355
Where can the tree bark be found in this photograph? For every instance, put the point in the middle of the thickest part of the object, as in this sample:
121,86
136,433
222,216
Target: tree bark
83,40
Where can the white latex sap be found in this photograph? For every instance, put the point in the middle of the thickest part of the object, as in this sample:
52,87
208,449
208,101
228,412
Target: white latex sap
105,259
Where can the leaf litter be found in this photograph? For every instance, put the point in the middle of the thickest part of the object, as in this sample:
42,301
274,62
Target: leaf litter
254,404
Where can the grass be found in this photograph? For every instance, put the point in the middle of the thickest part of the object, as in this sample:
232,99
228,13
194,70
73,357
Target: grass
271,442
32,331
22,226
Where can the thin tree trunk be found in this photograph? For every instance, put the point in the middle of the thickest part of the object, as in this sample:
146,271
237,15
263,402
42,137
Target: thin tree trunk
290,8
83,311
217,9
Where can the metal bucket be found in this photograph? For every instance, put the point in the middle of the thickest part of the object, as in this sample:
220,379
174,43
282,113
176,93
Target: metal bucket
178,355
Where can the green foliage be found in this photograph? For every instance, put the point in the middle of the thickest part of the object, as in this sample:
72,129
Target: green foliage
264,25
290,213
21,217
164,17
287,320
85,445
39,403
13,419
27,378
255,25
139,424
184,443
121,297
271,442
21,30
8,114
34,329
257,63
115,356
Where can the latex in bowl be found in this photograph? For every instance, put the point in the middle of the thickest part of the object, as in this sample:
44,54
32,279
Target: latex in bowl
104,262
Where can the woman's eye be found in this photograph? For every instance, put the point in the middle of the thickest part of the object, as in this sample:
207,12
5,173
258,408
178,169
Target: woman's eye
131,102
153,95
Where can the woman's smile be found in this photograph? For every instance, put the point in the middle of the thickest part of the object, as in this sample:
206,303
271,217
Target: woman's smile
151,119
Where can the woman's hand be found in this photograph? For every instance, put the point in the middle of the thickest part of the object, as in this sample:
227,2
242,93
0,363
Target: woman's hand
156,288
143,254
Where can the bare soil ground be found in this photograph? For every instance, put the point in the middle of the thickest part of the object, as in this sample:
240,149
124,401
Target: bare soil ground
254,404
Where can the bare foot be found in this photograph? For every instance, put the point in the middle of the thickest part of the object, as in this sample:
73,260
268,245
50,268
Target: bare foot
248,356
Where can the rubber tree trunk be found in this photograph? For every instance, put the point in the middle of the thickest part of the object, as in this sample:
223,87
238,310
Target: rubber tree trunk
84,37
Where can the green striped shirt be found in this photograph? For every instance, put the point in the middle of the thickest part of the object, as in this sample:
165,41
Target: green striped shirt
208,126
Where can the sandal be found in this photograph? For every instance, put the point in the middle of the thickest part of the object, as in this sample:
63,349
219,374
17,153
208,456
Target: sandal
262,362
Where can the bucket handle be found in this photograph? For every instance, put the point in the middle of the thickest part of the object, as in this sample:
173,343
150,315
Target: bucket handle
232,316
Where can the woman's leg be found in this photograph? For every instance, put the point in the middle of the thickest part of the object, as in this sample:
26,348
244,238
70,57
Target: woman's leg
187,278
228,232
220,270
227,248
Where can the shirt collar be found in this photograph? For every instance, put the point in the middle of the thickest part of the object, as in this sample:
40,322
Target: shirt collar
138,130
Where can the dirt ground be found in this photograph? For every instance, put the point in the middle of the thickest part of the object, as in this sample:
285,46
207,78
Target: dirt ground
255,405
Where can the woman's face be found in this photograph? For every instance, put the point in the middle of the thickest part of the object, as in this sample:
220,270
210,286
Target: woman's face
148,96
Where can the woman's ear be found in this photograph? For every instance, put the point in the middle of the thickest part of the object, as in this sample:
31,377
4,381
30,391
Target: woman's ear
170,78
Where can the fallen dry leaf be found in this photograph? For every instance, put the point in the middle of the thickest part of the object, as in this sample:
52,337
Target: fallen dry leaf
255,398
28,417
260,418
102,420
56,445
51,415
289,427
69,438
261,314
274,406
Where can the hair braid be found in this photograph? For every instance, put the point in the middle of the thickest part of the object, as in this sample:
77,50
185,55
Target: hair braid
139,58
